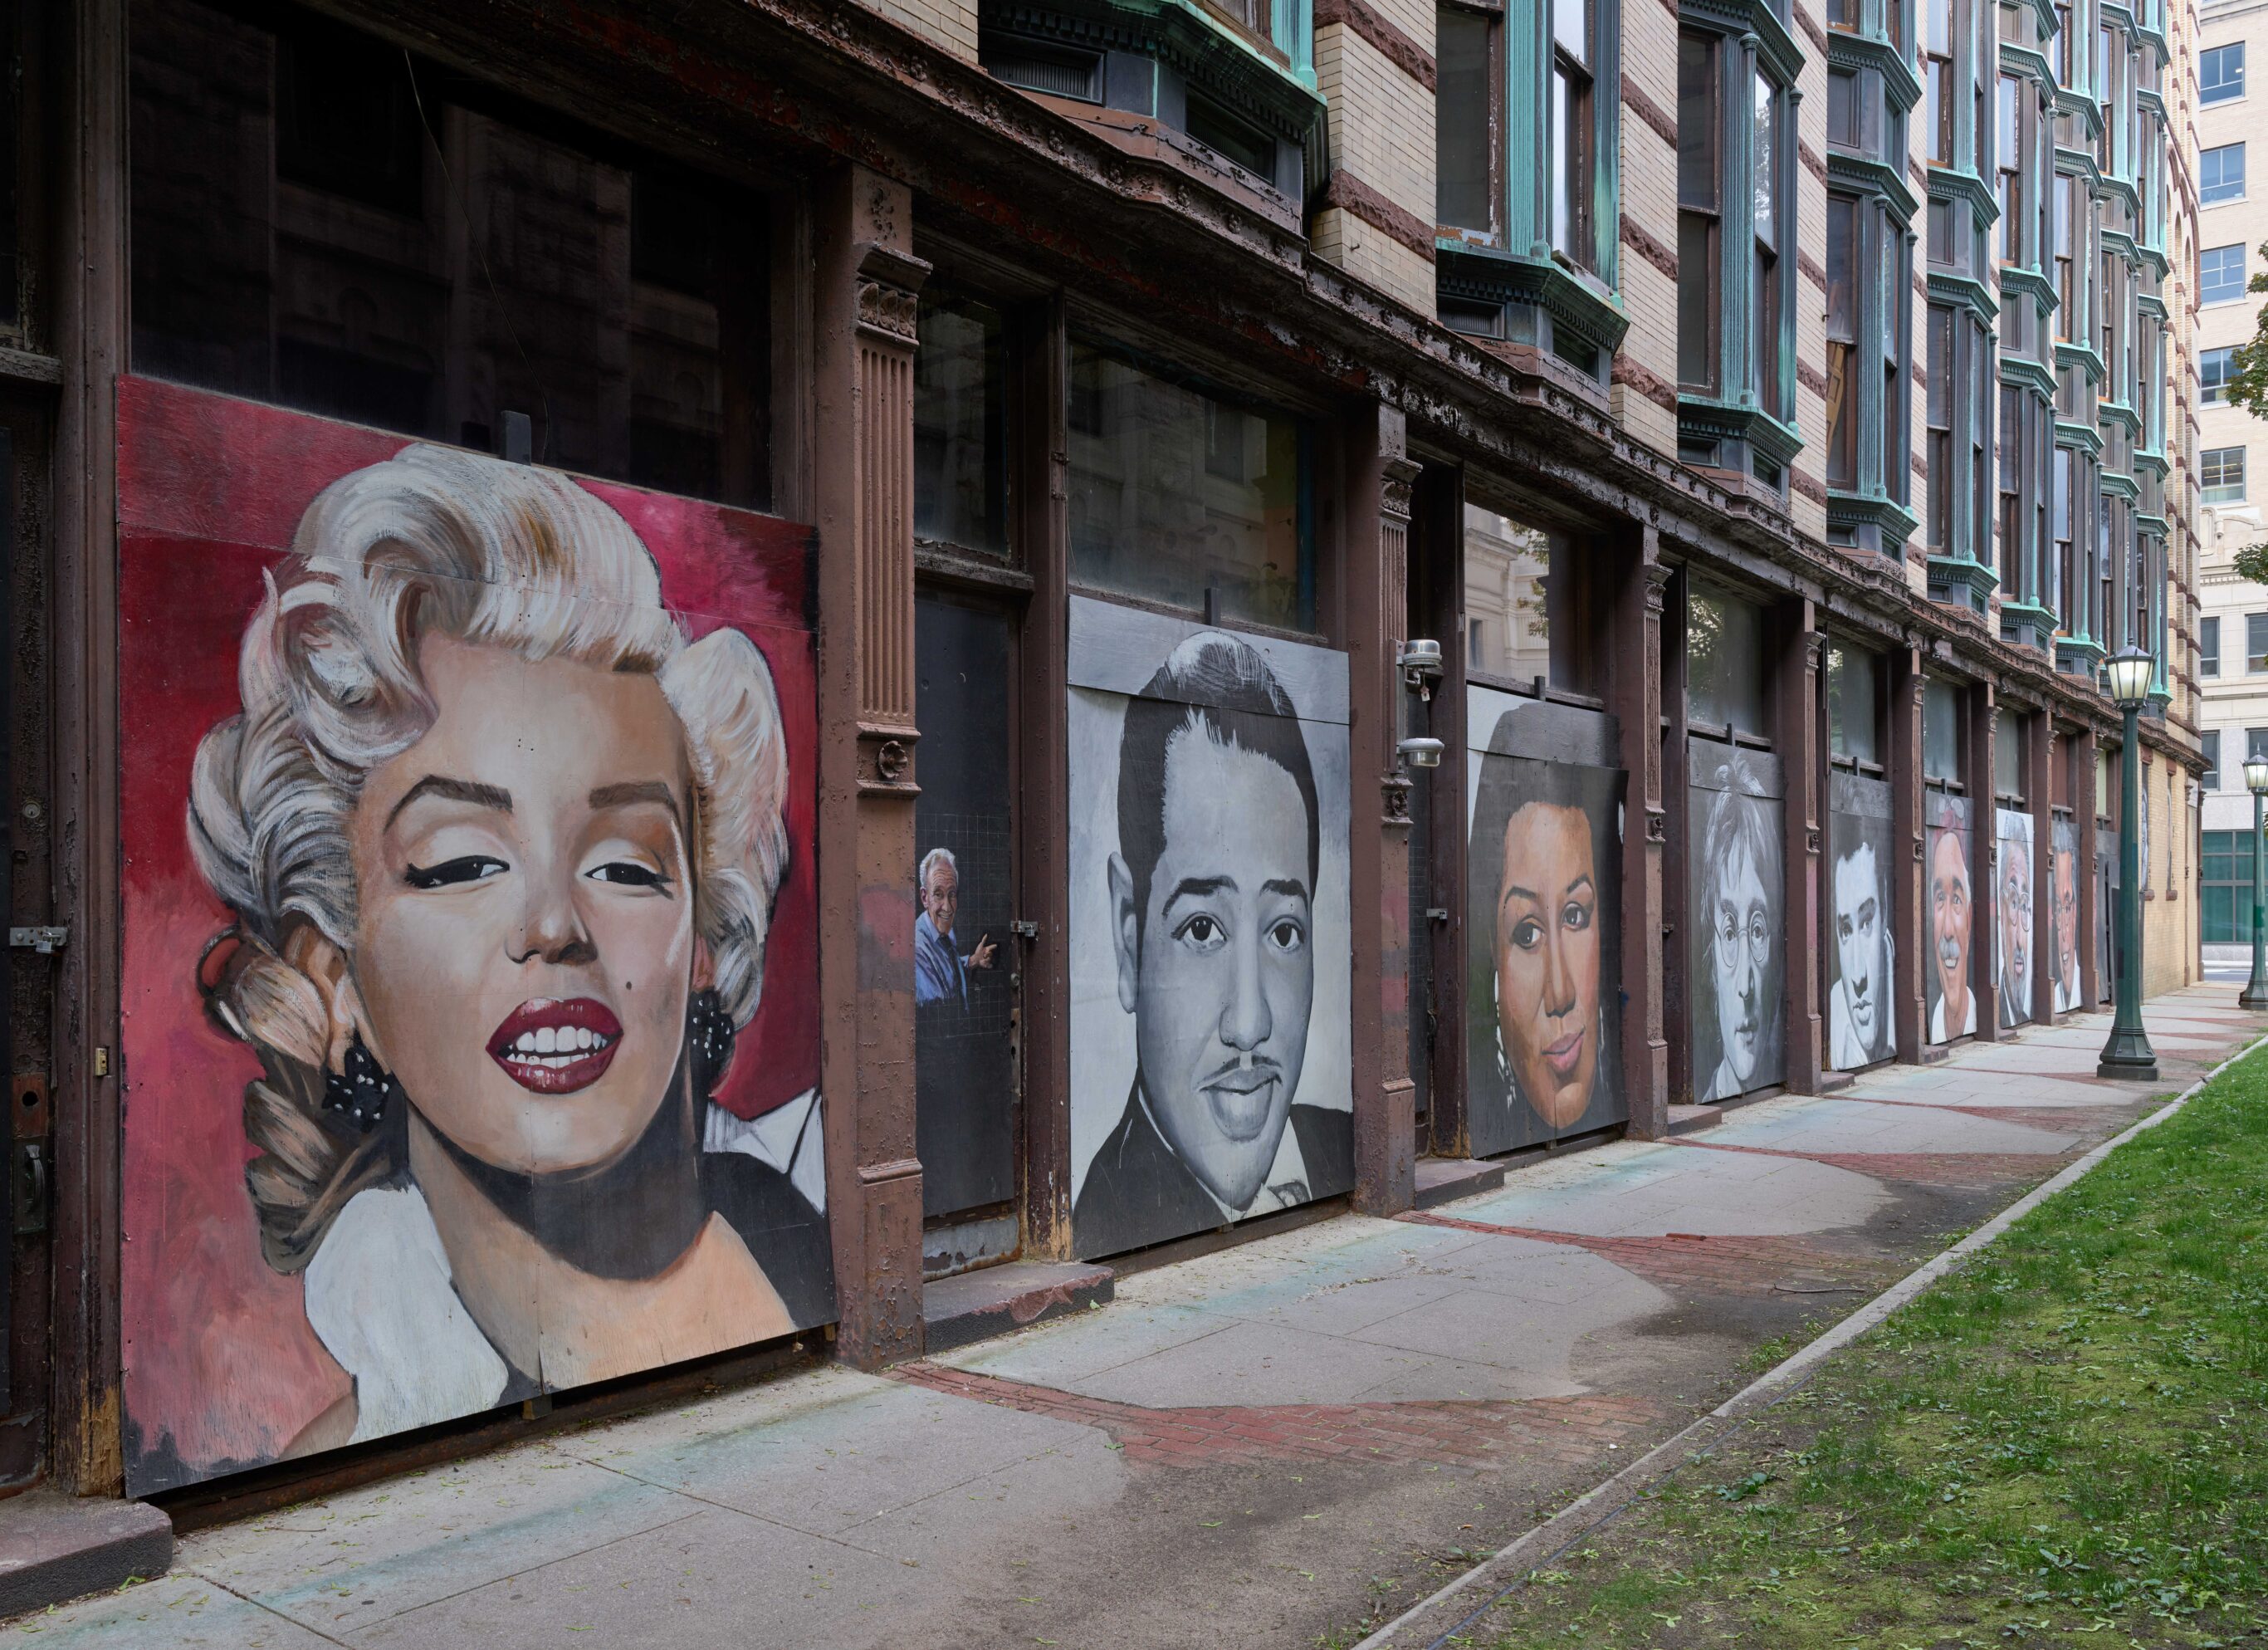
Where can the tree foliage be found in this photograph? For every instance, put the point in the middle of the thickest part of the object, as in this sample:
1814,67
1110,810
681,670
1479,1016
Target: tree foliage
2248,387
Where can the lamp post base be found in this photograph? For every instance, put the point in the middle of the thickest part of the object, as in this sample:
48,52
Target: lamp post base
2254,996
2128,1057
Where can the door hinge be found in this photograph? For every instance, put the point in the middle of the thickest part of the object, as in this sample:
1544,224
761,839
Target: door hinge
46,941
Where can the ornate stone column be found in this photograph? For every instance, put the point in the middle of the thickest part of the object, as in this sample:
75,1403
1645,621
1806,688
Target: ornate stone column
867,285
1380,475
1908,860
1796,682
1634,693
1983,857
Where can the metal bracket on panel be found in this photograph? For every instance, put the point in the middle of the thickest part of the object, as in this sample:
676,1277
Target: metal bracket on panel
1024,928
46,941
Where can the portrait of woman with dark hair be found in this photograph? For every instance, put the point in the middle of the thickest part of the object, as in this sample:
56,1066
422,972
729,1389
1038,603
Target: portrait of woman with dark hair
500,847
1544,933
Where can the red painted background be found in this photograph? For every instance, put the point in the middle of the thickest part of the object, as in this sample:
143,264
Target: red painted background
219,1360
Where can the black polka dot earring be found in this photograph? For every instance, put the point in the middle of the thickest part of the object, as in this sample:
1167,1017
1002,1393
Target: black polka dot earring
364,1092
709,1034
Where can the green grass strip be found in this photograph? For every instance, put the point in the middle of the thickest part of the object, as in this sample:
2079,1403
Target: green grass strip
2065,1443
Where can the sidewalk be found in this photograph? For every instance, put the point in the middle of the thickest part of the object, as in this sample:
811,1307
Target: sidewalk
1278,1442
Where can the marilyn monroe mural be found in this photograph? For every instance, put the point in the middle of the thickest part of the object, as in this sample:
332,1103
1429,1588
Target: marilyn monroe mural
499,847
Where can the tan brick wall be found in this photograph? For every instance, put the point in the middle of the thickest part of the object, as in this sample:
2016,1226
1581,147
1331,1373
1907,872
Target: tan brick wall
1649,188
1381,133
951,24
1381,120
1374,256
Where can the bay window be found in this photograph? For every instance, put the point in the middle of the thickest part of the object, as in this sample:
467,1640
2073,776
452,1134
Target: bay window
1526,190
1735,228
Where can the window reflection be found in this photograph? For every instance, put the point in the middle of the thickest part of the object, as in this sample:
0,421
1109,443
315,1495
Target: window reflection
1178,496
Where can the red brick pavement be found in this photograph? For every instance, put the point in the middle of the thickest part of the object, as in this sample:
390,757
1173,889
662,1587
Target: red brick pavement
1972,1171
1761,1267
1475,1436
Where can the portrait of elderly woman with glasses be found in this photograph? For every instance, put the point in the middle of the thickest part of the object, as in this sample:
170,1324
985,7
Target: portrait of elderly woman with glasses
501,847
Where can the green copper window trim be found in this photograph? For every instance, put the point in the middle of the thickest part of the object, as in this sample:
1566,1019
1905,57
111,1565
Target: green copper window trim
1485,275
1751,40
1183,35
1965,293
2079,655
1485,265
2032,65
1900,83
2113,485
1961,581
2081,438
1855,174
2018,374
1955,183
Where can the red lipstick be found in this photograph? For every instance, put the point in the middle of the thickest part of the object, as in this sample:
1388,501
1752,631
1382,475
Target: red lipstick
556,1045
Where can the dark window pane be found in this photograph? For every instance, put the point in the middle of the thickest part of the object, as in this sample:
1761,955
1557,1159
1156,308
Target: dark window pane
960,393
1724,661
1941,731
300,234
1465,127
1177,493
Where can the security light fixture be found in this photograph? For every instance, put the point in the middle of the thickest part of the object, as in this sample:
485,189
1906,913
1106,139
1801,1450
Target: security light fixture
1420,753
1419,660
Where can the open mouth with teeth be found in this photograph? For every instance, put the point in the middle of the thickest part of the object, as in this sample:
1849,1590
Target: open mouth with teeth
556,1046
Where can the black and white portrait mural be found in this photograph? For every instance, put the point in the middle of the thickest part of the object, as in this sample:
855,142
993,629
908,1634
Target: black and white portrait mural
1210,929
1948,917
2063,885
1737,927
2013,903
964,892
1859,1022
1543,921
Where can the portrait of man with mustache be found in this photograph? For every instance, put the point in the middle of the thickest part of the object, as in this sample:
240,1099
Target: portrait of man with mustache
1212,900
2014,922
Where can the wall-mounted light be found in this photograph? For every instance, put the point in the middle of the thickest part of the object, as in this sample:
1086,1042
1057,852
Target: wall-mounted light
1419,660
1420,753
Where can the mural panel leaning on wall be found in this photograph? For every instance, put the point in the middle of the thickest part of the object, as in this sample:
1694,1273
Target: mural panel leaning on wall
1543,921
2013,920
1738,931
2063,884
1861,1027
470,965
1209,929
1949,920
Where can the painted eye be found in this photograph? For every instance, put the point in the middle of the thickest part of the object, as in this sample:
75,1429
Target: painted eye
1575,915
452,872
628,873
1201,933
1527,934
1287,935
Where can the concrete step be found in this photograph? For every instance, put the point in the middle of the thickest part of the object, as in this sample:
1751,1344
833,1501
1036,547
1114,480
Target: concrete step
1442,1179
1689,1119
54,1547
976,1306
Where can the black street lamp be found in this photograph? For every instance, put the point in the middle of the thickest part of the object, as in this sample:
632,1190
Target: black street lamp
2255,989
2126,677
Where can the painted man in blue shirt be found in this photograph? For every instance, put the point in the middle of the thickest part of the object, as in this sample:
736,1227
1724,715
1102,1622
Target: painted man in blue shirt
940,970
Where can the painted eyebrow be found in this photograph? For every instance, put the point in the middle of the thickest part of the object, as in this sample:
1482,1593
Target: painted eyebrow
1583,881
1196,887
1290,888
450,790
623,795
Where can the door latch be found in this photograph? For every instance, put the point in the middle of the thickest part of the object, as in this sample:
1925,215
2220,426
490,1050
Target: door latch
1024,928
46,941
1436,914
31,1188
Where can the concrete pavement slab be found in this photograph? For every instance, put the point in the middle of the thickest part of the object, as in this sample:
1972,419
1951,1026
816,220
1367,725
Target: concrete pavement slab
825,1470
179,1611
1826,1126
338,1564
1650,1191
714,1578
